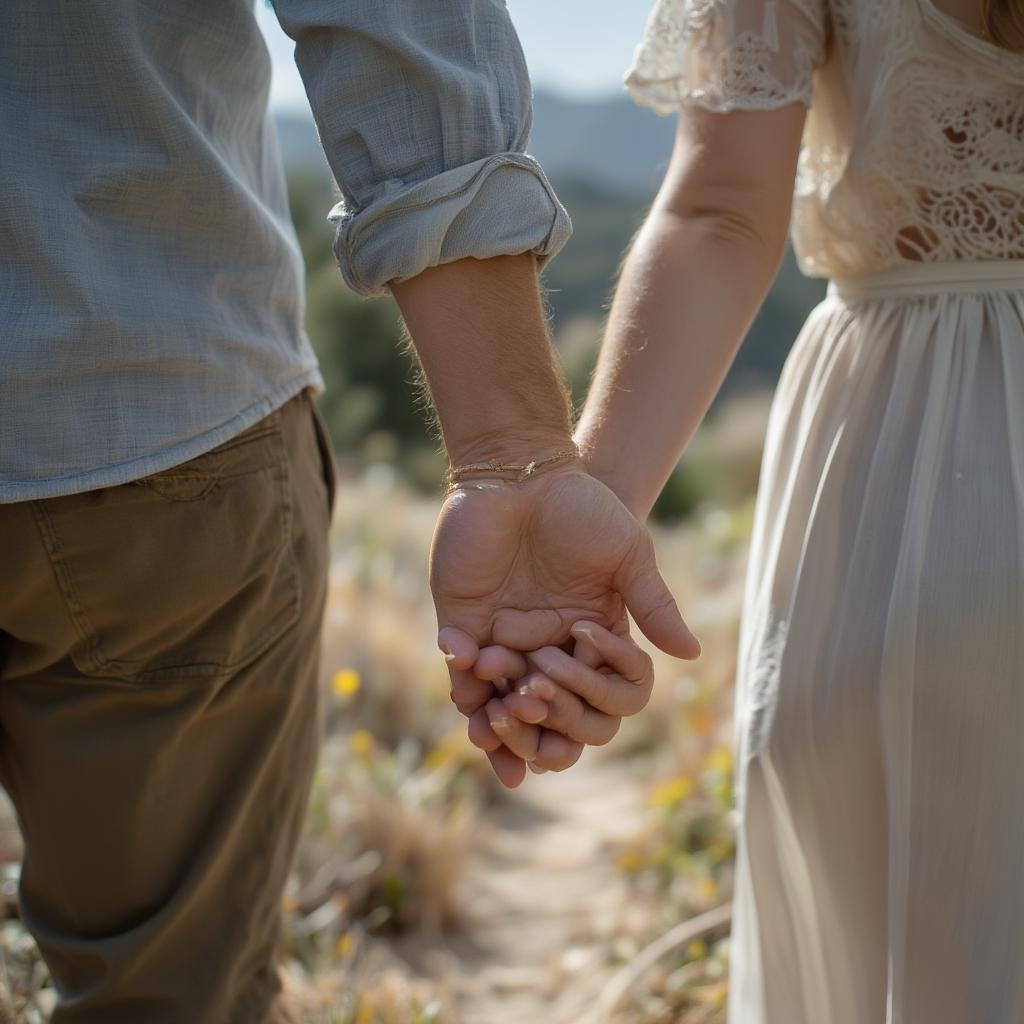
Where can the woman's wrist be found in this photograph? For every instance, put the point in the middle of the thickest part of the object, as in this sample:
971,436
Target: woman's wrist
617,471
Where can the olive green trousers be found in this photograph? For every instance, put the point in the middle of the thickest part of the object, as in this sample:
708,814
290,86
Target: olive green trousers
160,721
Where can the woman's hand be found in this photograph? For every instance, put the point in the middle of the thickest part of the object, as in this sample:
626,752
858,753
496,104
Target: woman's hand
579,698
480,676
557,702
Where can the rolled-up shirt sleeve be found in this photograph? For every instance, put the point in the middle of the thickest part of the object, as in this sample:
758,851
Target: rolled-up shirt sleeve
423,109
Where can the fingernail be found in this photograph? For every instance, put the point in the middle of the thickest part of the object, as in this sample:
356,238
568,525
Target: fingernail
581,630
501,684
500,725
535,768
542,688
448,656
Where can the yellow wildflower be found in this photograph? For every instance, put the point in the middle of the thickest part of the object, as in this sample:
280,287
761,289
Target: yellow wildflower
672,792
362,743
454,746
345,945
702,721
707,888
720,759
714,994
719,850
631,861
697,949
346,682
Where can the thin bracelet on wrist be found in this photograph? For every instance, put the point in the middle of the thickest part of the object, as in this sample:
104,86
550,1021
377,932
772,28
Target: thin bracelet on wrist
512,472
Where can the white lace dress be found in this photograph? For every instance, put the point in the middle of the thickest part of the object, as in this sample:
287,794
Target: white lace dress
879,723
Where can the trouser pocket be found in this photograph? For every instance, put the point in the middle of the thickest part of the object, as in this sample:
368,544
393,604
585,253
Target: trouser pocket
189,572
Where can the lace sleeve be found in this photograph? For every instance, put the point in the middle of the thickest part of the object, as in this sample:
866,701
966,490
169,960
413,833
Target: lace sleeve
728,54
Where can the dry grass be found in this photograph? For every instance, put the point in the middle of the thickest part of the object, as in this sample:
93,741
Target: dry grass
400,795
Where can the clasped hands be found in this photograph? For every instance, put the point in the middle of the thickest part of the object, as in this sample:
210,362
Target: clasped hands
532,582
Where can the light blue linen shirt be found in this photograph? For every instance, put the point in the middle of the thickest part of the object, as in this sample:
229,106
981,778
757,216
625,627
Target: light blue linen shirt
151,286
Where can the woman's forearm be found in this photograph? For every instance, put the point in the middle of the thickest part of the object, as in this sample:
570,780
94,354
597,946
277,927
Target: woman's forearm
690,288
689,291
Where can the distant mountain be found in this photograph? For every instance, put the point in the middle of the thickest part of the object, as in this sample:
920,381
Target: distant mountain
300,146
605,159
611,143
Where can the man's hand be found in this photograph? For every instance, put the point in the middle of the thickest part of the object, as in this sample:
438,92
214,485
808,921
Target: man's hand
518,564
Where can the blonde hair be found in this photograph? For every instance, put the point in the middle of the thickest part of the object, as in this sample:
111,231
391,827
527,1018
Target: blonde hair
1004,22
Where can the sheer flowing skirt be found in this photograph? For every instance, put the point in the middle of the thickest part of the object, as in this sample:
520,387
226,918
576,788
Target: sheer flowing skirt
879,722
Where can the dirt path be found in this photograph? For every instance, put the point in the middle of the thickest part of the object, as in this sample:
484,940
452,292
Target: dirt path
545,899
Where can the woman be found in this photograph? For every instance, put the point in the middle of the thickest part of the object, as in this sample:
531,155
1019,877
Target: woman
880,690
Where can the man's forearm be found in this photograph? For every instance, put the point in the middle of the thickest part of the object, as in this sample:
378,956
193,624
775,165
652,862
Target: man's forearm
481,336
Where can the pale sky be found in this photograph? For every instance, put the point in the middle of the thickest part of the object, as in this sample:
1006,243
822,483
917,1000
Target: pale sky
575,47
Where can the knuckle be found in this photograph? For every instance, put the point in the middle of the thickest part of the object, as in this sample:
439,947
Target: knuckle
481,740
465,707
638,705
575,707
608,732
635,699
576,719
575,756
558,764
564,760
603,692
555,721
546,659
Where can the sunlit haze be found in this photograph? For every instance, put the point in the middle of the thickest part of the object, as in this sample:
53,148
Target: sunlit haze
570,47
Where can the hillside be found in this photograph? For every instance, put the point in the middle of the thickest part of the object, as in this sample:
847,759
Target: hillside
611,143
605,159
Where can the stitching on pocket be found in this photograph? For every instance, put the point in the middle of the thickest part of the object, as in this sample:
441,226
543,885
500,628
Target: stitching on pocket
92,659
194,470
168,486
66,585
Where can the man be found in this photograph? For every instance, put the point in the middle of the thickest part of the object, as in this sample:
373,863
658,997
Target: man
165,483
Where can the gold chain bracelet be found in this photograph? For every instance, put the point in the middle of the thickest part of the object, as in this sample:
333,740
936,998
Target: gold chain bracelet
523,471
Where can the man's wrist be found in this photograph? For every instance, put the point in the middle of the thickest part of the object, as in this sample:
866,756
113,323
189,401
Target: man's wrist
516,469
481,335
515,446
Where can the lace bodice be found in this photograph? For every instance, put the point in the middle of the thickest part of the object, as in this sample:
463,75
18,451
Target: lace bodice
914,144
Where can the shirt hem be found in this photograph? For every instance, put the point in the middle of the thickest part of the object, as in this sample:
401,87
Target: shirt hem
126,472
